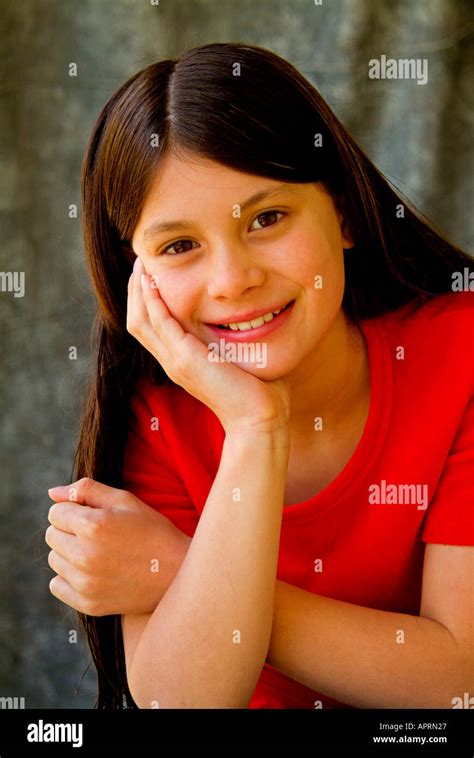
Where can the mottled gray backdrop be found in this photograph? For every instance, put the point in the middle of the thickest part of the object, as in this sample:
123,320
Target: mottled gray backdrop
418,134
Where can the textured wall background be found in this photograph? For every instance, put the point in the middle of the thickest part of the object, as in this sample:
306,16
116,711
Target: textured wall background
419,135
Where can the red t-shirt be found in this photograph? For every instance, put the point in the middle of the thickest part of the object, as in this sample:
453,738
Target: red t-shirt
367,527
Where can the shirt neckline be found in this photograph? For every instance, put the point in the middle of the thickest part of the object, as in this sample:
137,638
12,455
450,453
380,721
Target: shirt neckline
373,435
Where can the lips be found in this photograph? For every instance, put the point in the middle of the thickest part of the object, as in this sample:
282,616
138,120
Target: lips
250,315
253,334
255,323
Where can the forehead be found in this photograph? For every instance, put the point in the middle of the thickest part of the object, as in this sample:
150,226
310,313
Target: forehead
190,176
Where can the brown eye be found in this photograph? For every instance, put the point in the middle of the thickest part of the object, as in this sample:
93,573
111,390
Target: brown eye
268,218
178,245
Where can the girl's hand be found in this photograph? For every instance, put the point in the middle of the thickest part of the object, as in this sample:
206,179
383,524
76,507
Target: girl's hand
112,553
241,401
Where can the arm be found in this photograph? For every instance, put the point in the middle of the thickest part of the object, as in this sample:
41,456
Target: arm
206,642
351,653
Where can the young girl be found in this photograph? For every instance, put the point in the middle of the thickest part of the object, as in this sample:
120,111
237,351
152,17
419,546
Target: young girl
272,505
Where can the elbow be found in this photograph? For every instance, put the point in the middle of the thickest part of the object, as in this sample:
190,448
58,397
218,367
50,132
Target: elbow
146,695
452,689
165,680
463,686
141,693
137,684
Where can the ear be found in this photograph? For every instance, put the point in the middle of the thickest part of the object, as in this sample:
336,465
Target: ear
347,238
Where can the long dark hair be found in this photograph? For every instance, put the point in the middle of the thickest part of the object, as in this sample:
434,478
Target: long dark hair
245,107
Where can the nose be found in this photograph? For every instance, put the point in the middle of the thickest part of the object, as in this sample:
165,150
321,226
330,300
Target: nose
233,271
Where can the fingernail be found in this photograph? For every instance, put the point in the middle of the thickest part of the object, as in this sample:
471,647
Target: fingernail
142,279
137,263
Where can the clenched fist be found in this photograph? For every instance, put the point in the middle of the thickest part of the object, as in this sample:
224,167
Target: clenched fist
112,553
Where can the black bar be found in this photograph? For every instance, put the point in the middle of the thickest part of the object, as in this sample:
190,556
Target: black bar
271,732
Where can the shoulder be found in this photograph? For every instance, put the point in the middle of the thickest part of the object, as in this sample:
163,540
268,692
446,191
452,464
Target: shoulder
441,312
437,336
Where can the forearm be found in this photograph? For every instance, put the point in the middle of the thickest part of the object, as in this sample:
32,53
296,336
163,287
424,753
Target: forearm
206,642
364,657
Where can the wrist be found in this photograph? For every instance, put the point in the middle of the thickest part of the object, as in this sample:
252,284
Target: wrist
277,438
273,428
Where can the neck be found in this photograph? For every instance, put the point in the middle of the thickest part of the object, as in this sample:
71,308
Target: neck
331,383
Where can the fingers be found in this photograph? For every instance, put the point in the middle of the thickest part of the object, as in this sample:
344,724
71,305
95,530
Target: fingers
138,320
136,309
61,589
89,492
183,356
64,544
170,330
69,518
62,567
182,347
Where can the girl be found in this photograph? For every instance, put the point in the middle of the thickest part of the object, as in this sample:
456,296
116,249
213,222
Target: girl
273,482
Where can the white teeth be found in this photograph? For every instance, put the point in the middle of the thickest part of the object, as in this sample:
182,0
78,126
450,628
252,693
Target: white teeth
245,325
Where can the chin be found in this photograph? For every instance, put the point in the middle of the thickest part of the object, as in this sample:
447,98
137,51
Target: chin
267,362
267,373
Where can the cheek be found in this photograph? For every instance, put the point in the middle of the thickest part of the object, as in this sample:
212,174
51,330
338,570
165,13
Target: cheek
314,256
318,266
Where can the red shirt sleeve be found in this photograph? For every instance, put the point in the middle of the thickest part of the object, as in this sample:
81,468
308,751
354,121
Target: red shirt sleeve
149,471
449,519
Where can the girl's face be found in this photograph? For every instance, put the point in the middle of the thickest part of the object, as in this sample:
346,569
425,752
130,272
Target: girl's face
231,252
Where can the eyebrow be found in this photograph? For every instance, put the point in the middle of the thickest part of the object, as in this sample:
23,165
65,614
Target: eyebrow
172,226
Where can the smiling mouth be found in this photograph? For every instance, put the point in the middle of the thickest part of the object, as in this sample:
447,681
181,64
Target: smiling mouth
245,326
